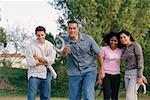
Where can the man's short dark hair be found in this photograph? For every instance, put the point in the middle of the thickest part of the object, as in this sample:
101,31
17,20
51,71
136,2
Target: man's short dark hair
40,28
72,21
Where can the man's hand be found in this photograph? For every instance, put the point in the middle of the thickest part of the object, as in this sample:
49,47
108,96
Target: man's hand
40,61
66,50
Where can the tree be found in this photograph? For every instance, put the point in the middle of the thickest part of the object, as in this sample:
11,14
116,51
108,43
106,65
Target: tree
98,17
3,38
50,38
4,81
102,16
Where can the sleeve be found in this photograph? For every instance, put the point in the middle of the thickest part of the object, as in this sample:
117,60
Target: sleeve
139,60
102,51
94,46
102,57
29,56
50,58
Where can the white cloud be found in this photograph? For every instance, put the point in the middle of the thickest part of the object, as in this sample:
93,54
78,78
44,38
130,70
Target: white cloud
28,14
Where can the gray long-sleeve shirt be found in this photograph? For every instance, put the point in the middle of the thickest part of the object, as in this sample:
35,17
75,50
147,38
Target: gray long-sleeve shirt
133,57
82,59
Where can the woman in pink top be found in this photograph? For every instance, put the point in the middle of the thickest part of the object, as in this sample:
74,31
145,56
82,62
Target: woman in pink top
109,73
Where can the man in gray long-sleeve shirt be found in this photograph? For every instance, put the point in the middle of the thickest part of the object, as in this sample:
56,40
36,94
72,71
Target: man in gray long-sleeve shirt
81,68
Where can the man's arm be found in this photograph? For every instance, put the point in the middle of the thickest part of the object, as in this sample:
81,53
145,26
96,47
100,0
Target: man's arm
101,67
29,56
101,72
40,61
51,56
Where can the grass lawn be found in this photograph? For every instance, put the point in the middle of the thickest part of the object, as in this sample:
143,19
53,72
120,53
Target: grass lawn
61,98
13,95
24,98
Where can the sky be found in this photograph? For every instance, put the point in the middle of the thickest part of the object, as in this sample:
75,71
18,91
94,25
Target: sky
28,14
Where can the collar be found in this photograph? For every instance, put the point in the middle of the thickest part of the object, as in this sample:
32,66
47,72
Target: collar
36,41
81,38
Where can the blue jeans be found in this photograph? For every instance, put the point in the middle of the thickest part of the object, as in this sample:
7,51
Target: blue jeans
83,82
43,84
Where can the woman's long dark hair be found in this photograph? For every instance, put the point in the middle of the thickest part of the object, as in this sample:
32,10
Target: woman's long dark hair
128,34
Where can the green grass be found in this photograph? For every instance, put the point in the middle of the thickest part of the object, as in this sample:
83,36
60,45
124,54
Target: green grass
18,79
13,95
20,95
24,98
60,98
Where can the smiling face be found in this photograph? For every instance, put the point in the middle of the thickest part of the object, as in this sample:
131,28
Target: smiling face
40,35
73,30
113,42
125,39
